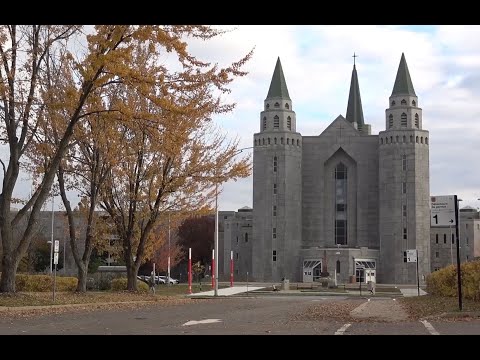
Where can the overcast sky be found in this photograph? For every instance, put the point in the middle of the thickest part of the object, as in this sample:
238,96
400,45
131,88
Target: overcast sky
444,64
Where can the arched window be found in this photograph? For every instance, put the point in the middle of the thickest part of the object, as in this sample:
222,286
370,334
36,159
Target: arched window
404,162
268,141
255,142
246,237
340,204
277,105
416,139
426,140
289,123
275,141
264,123
287,106
396,139
268,106
403,120
281,140
404,139
263,141
386,140
421,140
403,102
417,121
298,142
411,138
414,103
393,102
390,121
391,139
276,122
274,164
288,141
381,141
338,266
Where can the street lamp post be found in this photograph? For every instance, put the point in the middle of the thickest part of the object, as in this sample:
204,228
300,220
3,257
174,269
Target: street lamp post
458,210
168,261
215,291
51,241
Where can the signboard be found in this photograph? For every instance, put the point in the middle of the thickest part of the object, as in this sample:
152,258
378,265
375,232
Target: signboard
57,246
410,256
55,258
442,212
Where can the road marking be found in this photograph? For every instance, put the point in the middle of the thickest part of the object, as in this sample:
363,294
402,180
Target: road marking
342,329
206,321
429,327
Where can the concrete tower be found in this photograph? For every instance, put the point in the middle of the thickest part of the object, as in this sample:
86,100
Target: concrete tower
404,191
277,182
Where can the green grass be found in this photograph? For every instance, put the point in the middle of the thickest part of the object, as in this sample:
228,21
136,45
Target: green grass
428,305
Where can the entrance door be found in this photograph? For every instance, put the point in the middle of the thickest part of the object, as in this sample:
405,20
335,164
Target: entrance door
360,275
317,271
370,275
309,269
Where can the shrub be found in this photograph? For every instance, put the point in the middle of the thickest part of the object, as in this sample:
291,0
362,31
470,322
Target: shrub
120,284
444,281
42,283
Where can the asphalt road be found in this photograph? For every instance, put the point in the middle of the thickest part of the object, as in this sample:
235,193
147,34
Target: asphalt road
267,315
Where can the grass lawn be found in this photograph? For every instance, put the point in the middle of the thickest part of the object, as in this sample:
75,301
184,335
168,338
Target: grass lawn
162,293
428,305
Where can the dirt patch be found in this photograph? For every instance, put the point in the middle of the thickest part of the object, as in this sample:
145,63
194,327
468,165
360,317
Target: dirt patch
380,311
331,310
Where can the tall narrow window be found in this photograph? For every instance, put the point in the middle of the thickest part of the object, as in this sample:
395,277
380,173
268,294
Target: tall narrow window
276,122
390,121
274,255
414,103
403,120
341,204
268,141
404,162
277,105
403,102
404,210
274,233
264,123
274,188
437,254
289,123
404,233
274,164
275,141
436,238
404,187
236,256
453,239
444,238
417,121
246,237
287,106
338,266
274,210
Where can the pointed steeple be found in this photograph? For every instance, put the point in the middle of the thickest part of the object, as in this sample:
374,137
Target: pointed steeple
354,108
278,86
403,82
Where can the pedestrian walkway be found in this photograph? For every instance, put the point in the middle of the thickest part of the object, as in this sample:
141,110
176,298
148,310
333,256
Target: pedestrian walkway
411,292
229,291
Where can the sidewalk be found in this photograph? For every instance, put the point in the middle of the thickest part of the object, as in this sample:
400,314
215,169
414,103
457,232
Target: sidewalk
228,291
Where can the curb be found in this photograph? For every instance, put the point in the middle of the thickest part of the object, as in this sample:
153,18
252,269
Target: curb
63,306
453,315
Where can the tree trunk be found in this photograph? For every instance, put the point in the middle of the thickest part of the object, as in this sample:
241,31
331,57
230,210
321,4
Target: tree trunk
82,278
9,270
132,277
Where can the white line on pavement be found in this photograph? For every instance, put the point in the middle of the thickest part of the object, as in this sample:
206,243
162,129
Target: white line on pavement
429,327
196,322
342,329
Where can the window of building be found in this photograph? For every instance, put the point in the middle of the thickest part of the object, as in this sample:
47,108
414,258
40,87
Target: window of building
393,102
275,141
268,141
274,188
274,233
414,103
274,164
396,138
404,187
403,102
276,122
390,121
437,254
404,233
263,141
391,139
426,141
436,238
466,226
338,266
404,139
444,238
417,121
274,255
381,141
246,237
298,142
416,139
403,120
467,257
277,105
236,256
236,271
404,210
341,204
289,123
274,210
466,240
281,140
404,162
287,106
288,141
268,106
421,139
453,238
411,138
237,239
264,123
436,268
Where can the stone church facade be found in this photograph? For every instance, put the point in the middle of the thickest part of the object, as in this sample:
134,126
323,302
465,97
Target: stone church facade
345,202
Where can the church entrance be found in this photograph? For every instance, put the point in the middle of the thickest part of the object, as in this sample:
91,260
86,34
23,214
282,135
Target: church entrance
365,270
312,270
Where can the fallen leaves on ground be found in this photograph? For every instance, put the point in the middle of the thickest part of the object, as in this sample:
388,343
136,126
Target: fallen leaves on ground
331,310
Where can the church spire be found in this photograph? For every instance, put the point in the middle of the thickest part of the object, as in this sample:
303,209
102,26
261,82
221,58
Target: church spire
278,86
354,108
403,82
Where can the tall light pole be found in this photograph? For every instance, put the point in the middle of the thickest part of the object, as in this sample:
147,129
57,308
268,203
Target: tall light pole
168,261
458,209
51,241
215,290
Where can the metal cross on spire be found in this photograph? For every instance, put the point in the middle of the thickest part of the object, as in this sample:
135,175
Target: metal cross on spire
354,56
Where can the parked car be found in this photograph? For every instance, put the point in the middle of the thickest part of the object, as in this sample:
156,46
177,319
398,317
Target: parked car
171,280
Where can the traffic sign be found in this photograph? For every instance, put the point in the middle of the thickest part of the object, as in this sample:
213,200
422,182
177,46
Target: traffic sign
55,258
57,246
442,211
410,255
